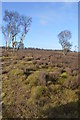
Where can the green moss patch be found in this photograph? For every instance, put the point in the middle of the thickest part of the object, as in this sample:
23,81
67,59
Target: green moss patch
32,79
17,71
38,91
64,75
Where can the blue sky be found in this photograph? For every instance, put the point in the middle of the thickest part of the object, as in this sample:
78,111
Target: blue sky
48,20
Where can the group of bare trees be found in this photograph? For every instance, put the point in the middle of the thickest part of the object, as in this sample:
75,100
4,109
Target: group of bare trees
15,29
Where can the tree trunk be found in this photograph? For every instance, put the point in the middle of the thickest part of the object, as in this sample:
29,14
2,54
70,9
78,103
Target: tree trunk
6,44
65,51
15,42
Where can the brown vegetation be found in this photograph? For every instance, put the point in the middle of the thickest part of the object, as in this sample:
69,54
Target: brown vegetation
40,84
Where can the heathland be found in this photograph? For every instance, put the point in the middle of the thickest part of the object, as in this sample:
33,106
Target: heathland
40,84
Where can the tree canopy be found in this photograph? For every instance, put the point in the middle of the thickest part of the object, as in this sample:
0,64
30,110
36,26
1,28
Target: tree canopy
64,37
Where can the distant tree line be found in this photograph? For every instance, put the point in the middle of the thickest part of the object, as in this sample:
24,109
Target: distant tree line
15,25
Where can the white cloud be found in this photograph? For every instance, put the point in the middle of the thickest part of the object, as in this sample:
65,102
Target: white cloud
51,15
43,22
48,16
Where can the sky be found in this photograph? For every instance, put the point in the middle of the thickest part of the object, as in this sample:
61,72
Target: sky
48,20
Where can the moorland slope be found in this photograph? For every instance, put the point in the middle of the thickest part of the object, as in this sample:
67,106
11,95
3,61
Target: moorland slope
40,83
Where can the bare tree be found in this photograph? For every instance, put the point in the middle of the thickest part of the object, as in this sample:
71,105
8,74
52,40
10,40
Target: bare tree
64,36
11,27
5,33
12,20
26,23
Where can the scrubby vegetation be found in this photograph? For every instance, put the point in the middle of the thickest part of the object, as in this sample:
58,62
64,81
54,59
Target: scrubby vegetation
40,84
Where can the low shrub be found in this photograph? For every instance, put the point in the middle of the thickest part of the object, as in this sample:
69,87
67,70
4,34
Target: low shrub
72,83
32,79
42,78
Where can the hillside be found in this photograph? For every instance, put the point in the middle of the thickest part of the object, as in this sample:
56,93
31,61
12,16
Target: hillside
40,83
